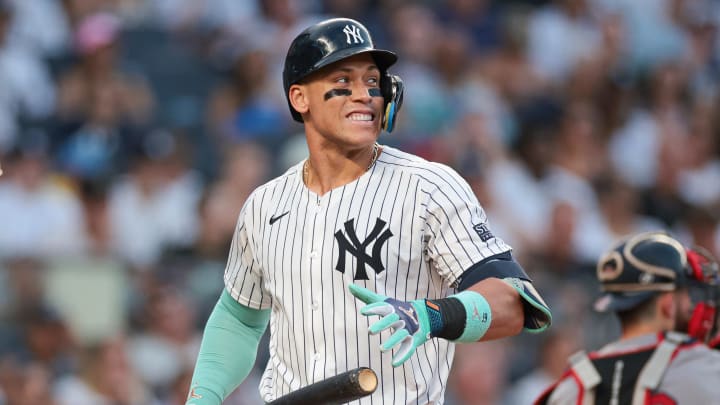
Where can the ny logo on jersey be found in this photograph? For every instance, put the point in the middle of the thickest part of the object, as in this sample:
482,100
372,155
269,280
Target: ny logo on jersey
354,32
357,248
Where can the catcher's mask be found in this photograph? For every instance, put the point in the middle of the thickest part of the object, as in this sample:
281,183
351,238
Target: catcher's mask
331,41
704,289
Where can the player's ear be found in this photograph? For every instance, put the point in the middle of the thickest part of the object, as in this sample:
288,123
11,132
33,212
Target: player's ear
297,94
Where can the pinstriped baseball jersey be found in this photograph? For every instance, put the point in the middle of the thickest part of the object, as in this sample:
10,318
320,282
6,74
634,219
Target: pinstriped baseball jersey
407,228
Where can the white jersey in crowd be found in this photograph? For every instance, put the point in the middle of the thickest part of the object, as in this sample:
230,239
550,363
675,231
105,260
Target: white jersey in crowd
407,229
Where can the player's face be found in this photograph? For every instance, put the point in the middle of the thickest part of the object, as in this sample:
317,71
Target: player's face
344,101
684,310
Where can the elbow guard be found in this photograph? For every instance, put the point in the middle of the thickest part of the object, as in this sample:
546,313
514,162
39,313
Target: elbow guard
503,266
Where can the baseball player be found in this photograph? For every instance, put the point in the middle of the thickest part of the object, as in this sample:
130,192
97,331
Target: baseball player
356,231
648,281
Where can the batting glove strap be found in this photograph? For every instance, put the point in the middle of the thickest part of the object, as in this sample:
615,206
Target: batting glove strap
478,316
447,317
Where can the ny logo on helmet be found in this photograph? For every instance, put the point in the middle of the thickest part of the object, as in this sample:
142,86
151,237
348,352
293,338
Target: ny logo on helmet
357,248
354,32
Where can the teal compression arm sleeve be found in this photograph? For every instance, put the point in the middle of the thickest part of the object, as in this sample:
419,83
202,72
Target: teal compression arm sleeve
228,350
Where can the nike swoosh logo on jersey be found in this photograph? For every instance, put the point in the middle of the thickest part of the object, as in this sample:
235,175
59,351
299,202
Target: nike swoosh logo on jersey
275,219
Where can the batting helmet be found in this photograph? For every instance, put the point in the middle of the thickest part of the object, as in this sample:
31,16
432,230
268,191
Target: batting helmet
330,41
639,268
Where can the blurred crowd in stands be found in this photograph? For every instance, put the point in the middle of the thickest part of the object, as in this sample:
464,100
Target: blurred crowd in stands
132,131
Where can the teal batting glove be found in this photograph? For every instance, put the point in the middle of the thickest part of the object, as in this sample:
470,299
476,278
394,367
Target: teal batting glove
408,319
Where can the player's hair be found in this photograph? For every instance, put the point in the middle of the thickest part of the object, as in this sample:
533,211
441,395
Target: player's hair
641,313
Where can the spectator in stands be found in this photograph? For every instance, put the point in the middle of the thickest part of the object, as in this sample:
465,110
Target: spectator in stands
100,104
508,68
577,158
25,383
699,176
246,108
245,167
465,387
552,355
656,127
169,342
27,92
561,35
40,215
617,215
53,39
105,378
154,208
96,42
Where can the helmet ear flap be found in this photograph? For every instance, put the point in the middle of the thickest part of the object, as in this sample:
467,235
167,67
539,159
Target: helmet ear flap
392,89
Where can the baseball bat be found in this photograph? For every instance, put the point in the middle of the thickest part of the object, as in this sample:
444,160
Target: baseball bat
338,389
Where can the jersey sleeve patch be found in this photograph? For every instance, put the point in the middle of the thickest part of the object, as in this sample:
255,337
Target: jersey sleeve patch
483,232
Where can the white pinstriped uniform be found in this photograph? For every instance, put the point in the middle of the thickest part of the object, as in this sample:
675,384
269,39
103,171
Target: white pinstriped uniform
438,230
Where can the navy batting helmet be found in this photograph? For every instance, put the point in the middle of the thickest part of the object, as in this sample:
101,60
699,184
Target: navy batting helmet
639,268
330,41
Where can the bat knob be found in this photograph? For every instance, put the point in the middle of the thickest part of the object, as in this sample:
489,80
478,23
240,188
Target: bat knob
367,380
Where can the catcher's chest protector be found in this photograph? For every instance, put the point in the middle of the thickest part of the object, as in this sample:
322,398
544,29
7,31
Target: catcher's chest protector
627,378
619,376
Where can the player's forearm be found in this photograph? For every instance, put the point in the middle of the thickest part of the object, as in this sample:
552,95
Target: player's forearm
489,309
228,350
486,278
505,305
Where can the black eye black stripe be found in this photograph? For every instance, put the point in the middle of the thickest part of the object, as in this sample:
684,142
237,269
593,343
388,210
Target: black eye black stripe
375,92
337,92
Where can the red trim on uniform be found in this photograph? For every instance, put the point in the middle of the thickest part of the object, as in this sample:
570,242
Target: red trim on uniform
715,342
660,398
684,347
551,388
581,390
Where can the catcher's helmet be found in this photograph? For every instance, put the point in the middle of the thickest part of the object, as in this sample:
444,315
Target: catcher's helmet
330,41
639,268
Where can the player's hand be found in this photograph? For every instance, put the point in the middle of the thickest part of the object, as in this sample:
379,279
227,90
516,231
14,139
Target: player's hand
408,319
